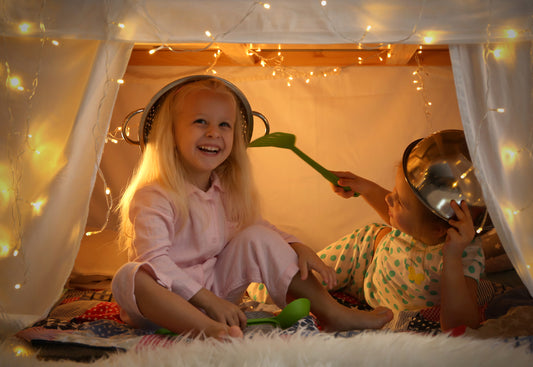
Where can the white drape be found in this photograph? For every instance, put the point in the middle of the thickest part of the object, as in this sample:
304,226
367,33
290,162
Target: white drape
60,61
52,141
495,94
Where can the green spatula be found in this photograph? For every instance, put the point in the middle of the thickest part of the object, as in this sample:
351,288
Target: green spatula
286,140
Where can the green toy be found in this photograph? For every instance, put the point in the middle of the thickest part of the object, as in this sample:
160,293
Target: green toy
285,140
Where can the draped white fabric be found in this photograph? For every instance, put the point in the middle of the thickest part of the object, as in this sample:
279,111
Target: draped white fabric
60,60
495,95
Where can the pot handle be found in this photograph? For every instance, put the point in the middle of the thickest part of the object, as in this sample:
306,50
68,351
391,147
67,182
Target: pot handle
125,127
264,119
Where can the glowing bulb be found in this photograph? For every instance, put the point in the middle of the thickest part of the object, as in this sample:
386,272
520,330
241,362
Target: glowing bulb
214,71
107,191
266,5
288,84
500,110
120,81
511,33
14,82
307,80
24,27
368,28
428,39
208,34
152,51
418,88
21,351
16,253
498,53
55,43
121,25
323,3
415,81
17,286
508,155
37,206
429,103
4,249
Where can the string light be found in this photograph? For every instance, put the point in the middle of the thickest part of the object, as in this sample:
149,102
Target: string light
511,33
24,27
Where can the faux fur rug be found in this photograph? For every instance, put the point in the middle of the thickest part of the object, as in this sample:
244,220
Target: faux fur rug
366,349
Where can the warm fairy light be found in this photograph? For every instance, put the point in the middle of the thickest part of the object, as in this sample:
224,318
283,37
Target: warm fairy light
307,80
500,110
21,351
107,191
4,249
266,5
511,33
37,206
120,81
208,34
368,28
15,253
418,88
508,155
55,43
323,3
213,71
428,39
121,25
14,82
152,51
17,286
498,53
24,27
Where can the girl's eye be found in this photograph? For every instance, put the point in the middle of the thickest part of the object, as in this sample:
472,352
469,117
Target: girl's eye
225,124
200,121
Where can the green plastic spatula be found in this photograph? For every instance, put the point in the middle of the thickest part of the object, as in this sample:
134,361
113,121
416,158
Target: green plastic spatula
286,140
293,312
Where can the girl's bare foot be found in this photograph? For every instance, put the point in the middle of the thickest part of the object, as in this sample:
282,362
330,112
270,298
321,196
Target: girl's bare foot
345,318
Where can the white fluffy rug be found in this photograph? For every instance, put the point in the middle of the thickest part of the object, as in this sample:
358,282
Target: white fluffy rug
366,349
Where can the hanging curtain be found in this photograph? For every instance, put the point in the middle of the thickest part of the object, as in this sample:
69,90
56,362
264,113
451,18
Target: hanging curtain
52,140
494,85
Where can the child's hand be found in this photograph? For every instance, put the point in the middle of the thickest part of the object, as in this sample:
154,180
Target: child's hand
308,260
461,233
219,309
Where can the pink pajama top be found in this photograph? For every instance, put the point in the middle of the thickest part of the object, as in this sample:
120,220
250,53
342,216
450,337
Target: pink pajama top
181,252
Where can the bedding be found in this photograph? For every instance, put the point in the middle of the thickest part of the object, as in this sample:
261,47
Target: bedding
85,325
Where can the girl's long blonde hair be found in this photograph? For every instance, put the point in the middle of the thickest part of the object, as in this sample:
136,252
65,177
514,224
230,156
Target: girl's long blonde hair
161,163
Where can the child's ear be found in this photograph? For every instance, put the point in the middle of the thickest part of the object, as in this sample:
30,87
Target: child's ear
440,230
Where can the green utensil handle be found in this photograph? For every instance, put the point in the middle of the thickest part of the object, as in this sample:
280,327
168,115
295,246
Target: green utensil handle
269,320
324,172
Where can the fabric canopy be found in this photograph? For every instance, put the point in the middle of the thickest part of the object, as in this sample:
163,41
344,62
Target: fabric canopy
60,62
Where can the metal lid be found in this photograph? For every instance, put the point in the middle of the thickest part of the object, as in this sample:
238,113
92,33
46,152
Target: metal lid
439,169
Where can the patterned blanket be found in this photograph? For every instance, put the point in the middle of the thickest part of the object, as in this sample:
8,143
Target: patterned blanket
86,324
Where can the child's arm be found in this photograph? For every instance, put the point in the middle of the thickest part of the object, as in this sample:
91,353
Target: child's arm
373,194
458,292
219,309
308,260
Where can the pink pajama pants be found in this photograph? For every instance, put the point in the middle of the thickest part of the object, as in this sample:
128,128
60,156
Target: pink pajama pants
256,254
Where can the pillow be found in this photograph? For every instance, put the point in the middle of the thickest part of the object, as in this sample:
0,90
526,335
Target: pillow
99,254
